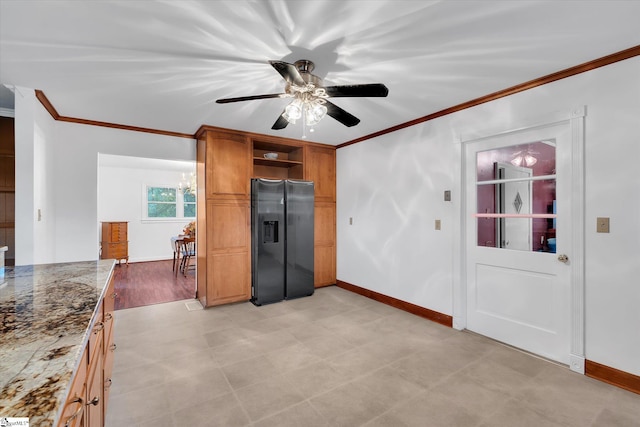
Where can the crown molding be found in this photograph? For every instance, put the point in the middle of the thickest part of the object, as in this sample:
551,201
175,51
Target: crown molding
578,69
56,116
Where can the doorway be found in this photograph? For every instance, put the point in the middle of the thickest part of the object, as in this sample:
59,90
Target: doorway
522,281
155,198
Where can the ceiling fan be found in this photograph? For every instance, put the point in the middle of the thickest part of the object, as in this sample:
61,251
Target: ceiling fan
310,97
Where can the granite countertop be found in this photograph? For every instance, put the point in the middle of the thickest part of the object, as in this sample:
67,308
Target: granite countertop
46,316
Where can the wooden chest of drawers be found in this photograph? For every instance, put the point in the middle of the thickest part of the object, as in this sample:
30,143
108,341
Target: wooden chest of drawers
115,244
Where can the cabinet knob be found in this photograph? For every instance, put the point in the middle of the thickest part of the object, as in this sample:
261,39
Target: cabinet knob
99,326
107,383
113,347
94,401
114,295
108,316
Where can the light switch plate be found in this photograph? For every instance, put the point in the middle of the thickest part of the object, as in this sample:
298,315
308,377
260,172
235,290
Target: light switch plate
437,224
602,225
447,195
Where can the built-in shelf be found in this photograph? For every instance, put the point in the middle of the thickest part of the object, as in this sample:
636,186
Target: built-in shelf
277,163
288,165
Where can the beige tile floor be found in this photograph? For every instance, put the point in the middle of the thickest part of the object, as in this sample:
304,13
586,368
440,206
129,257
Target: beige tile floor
337,359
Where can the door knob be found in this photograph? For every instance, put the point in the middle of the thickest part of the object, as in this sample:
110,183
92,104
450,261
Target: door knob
563,258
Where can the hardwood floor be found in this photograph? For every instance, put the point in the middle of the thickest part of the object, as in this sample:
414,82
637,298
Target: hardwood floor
147,283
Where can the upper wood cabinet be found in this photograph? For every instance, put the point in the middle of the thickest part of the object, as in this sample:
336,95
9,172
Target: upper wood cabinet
228,164
320,166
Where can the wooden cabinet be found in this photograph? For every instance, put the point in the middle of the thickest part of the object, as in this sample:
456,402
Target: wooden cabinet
226,161
320,168
73,414
223,243
324,244
7,188
86,404
115,241
109,346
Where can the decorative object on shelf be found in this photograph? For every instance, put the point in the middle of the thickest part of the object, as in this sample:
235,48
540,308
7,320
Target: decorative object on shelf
190,229
188,185
271,156
310,96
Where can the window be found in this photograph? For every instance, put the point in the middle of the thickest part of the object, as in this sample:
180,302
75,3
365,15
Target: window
189,204
164,202
516,197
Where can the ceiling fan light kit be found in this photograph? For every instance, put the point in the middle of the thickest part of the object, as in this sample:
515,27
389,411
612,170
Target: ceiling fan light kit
310,97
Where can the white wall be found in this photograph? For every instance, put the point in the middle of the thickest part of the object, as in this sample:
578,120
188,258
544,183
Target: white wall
393,187
64,182
34,133
76,177
121,198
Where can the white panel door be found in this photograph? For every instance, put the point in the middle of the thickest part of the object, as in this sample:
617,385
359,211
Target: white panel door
521,296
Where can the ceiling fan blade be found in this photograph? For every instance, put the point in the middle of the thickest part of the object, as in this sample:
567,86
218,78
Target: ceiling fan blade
250,98
341,115
281,123
289,72
373,89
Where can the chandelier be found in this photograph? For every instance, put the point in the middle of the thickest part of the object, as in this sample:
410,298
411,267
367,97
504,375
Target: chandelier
188,185
524,159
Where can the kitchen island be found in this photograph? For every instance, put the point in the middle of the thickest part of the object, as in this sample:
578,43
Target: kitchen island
50,316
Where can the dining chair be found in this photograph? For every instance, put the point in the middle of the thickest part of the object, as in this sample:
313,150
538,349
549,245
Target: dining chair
188,251
176,255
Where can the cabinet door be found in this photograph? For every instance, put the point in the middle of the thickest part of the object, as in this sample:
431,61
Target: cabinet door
320,165
95,402
230,278
74,412
228,251
324,244
228,164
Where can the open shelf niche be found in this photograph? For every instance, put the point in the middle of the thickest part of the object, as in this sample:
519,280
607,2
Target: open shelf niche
288,165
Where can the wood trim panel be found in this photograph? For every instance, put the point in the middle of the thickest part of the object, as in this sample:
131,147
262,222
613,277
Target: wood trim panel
578,69
443,319
612,376
261,138
56,116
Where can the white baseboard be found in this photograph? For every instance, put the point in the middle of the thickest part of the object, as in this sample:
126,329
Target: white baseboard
576,363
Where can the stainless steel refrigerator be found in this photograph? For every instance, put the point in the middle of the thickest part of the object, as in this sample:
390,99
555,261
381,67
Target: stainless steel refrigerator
281,240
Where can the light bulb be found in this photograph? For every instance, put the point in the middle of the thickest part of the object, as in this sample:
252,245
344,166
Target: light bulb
314,113
293,111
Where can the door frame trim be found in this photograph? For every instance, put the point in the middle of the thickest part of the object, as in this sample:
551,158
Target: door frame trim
575,119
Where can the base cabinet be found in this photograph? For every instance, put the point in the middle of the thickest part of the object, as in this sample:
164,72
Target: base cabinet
86,403
74,414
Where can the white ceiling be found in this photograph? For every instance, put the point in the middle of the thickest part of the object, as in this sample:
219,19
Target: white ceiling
162,64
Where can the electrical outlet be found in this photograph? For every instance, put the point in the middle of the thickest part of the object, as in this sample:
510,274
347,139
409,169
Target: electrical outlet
437,224
602,225
447,195
350,220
